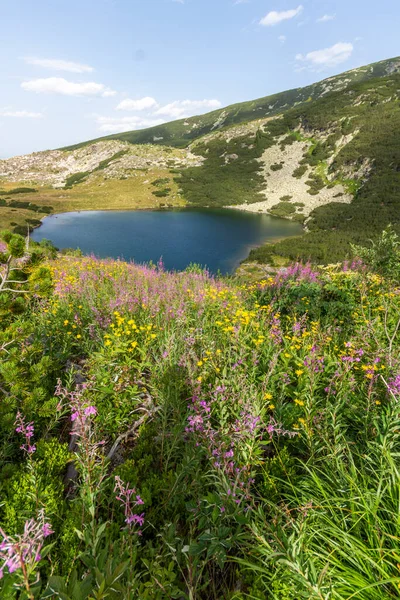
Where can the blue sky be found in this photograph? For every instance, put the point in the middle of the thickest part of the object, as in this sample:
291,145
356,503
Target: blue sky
73,70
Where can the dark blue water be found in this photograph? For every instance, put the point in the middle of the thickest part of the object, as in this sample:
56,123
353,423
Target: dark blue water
216,238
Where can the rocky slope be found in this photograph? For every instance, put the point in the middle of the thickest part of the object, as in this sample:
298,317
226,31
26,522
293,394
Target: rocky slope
281,186
114,158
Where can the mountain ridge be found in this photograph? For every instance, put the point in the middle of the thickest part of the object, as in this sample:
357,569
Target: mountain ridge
240,112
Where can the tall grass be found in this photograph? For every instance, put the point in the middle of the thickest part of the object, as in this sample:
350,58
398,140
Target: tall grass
337,534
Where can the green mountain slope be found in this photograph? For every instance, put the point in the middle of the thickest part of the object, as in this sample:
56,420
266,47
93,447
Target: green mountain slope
339,157
182,132
368,165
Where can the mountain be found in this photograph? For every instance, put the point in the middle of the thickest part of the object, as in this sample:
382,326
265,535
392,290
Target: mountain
180,133
326,155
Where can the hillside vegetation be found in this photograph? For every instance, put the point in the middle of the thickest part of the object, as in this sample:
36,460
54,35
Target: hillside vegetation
349,146
326,156
173,435
110,175
180,133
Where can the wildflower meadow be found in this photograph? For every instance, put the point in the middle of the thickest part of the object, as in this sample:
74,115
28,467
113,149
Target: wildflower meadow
180,435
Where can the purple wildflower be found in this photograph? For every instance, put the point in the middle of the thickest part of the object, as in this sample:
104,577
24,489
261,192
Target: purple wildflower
129,500
27,430
394,385
90,410
23,551
273,428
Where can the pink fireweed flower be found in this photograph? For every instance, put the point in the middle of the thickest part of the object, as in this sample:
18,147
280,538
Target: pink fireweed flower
297,272
81,412
136,520
314,362
23,551
273,428
129,500
394,385
27,430
219,446
247,425
82,415
46,530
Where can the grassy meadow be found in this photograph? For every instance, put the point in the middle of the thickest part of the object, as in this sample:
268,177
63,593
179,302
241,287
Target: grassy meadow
135,192
175,435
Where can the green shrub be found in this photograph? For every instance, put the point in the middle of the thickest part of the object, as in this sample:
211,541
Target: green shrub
299,218
299,172
383,255
19,190
315,183
282,209
162,193
75,178
39,483
21,230
161,181
105,163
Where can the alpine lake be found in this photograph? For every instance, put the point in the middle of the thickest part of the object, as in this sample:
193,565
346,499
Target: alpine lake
218,239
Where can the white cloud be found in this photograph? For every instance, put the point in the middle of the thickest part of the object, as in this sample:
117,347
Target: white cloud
282,38
58,65
58,85
141,104
274,17
328,57
121,124
326,18
20,114
187,108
